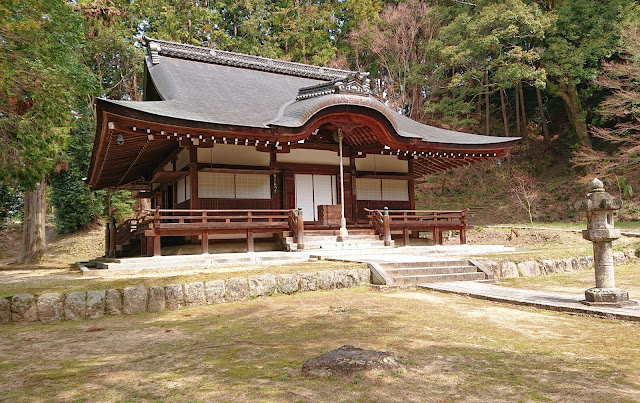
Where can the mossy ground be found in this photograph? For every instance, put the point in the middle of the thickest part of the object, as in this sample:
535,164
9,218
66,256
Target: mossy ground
454,349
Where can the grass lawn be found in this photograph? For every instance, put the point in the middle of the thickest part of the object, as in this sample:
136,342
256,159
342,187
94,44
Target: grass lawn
454,349
627,278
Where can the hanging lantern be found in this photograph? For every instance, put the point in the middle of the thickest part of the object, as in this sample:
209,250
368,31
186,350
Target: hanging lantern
120,140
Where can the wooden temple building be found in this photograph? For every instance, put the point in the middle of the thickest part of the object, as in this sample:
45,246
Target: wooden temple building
227,144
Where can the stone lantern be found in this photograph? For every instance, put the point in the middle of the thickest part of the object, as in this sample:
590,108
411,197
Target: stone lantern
599,207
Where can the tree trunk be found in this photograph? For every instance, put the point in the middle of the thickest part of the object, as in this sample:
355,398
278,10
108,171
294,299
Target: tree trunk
543,119
486,101
33,231
504,113
525,125
518,129
134,93
569,95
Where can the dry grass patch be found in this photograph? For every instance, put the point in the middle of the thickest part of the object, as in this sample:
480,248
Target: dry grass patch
454,349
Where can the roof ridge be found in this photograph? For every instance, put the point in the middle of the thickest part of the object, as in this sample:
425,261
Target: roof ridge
157,47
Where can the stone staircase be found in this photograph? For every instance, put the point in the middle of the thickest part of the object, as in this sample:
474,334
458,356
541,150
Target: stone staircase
405,273
327,239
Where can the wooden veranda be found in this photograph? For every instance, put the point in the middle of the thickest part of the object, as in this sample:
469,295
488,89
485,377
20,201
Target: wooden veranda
201,224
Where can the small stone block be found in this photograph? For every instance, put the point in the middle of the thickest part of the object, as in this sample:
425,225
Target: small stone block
5,311
364,276
96,303
134,300
75,305
508,269
528,269
237,289
194,294
287,283
174,296
156,300
23,308
114,302
308,281
549,266
50,307
214,291
326,280
262,284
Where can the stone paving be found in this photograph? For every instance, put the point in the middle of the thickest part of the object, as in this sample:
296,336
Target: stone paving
553,301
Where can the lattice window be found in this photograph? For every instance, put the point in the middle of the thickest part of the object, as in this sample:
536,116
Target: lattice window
216,185
382,189
395,190
368,189
253,186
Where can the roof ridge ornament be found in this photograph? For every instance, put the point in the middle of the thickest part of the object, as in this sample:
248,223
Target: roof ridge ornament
158,47
355,83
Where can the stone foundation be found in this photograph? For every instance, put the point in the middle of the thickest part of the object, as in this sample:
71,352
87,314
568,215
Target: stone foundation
76,305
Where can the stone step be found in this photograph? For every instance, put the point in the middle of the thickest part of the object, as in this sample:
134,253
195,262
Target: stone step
338,245
419,265
436,278
431,270
333,238
331,232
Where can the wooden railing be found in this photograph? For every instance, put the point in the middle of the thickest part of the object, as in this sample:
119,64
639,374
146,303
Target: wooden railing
296,227
126,230
184,222
435,221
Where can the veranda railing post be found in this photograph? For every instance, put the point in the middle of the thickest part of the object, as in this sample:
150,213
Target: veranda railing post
300,229
107,238
112,238
386,227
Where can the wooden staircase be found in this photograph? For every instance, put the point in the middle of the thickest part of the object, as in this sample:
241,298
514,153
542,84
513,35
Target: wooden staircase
406,273
328,239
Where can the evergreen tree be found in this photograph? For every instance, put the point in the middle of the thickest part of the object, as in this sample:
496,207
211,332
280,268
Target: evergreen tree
41,81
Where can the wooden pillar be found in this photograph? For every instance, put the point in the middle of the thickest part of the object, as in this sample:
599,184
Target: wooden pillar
205,242
300,229
405,236
143,245
411,184
149,249
107,240
352,194
193,179
249,241
157,251
386,227
112,238
463,236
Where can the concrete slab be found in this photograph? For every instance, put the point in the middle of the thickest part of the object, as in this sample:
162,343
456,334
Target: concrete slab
552,301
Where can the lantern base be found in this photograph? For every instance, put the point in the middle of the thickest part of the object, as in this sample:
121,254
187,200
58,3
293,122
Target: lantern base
611,297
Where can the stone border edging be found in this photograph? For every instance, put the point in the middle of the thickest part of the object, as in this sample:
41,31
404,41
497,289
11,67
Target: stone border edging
530,268
76,305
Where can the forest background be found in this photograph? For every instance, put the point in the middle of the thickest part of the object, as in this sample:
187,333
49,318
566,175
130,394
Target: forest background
562,74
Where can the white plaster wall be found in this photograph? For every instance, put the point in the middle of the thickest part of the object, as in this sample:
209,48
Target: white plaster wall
232,154
382,163
309,156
